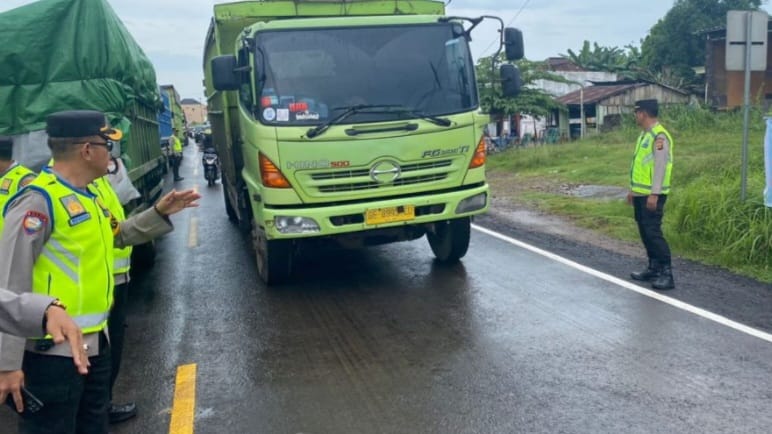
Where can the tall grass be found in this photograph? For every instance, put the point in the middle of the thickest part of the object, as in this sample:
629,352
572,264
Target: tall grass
704,219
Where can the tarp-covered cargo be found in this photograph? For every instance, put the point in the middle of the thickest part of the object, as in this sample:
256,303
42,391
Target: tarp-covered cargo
61,54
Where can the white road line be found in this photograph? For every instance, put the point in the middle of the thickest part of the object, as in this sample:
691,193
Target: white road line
632,287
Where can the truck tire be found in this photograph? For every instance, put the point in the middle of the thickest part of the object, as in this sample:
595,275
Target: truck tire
274,257
228,208
450,239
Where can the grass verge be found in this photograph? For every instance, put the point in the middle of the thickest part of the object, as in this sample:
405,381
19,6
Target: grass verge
705,220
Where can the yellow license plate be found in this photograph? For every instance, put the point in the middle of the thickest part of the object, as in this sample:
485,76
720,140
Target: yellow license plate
392,214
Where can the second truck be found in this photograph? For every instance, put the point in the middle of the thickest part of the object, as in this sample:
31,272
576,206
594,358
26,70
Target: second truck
351,121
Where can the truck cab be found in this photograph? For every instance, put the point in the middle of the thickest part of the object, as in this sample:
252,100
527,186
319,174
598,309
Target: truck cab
359,129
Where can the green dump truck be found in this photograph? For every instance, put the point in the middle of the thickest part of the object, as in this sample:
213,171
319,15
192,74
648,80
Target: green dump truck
91,63
76,54
355,122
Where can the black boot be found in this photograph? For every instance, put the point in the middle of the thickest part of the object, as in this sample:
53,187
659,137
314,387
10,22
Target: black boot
665,279
648,274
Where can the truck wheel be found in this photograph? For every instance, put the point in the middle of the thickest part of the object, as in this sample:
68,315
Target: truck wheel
228,208
450,239
274,257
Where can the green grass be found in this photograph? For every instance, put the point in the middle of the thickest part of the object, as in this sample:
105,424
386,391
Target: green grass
704,218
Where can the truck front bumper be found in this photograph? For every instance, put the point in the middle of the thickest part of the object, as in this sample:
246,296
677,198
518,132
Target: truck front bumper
316,221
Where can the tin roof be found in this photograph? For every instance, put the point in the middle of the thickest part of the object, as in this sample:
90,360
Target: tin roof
593,94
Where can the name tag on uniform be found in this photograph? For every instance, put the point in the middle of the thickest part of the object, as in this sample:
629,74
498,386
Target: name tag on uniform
75,209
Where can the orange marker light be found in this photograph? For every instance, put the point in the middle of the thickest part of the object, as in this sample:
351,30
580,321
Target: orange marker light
271,175
479,154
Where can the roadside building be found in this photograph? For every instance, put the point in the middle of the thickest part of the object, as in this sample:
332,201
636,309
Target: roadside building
606,102
195,111
724,89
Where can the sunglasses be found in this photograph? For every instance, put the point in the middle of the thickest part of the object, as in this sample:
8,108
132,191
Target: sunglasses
108,144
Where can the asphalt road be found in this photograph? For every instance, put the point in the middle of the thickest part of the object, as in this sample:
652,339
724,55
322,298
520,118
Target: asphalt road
385,340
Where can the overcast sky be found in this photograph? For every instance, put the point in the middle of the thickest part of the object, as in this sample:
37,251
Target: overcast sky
172,32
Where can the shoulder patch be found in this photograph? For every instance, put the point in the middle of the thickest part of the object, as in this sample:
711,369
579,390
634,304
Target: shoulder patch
33,222
660,142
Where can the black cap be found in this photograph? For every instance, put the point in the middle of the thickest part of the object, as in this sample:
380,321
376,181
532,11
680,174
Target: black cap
650,106
6,144
80,123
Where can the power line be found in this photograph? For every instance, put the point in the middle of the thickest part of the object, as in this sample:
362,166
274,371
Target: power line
510,22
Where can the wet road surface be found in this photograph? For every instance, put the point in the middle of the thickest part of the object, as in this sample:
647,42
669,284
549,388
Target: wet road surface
385,340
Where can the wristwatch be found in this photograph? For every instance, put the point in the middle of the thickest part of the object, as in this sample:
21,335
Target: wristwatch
55,303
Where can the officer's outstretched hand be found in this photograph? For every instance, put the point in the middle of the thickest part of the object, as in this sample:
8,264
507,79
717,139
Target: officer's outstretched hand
60,326
175,201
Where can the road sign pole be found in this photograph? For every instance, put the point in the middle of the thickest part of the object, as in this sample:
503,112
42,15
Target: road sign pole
747,105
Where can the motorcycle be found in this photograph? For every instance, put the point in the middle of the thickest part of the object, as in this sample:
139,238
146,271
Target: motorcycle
211,166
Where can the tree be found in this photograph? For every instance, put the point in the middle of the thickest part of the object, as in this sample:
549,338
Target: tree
598,58
674,45
531,101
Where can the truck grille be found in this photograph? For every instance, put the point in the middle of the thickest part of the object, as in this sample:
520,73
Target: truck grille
359,179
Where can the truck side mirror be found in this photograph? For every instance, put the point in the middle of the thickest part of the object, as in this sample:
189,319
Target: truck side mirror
513,44
510,80
224,74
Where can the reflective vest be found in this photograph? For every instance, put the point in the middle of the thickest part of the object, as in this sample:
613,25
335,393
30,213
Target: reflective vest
105,191
642,168
9,185
177,145
76,264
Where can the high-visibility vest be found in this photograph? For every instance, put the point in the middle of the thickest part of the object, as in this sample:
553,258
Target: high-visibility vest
76,264
9,185
642,167
177,146
105,191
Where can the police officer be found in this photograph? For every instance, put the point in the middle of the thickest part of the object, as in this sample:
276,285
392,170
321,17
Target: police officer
650,174
13,175
116,323
59,239
176,155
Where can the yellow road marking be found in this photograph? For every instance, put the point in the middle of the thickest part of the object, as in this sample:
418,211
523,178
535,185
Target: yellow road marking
184,408
193,232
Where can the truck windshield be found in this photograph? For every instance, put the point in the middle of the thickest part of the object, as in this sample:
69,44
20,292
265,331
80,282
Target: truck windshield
307,77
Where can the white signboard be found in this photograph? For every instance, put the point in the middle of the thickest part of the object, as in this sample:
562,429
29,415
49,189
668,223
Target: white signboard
737,39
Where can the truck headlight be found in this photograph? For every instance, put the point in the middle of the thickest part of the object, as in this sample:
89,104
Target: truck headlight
473,203
295,225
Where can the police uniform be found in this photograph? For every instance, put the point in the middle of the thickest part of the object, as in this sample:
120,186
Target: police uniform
117,319
177,153
13,177
650,174
58,239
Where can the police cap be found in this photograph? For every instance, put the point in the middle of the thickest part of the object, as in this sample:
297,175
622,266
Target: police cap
81,123
650,106
6,144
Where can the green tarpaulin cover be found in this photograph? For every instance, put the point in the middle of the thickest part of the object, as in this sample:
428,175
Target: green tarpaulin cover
68,54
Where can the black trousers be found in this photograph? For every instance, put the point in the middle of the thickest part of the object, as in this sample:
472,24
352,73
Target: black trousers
116,325
176,160
72,403
650,228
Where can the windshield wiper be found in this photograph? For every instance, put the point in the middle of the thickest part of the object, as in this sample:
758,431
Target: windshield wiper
427,117
347,112
375,108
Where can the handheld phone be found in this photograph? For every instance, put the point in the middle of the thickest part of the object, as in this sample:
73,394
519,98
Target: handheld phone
31,403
